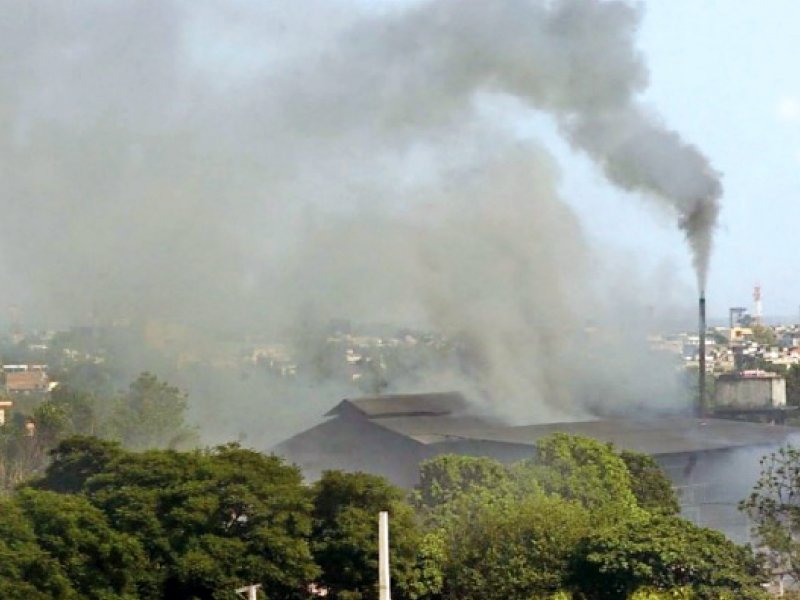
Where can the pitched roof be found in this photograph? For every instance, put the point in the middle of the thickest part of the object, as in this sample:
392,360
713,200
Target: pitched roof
674,435
443,418
432,404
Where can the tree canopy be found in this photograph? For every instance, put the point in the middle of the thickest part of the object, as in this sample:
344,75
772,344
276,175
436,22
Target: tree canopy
665,553
651,487
98,561
344,543
774,507
206,520
444,478
577,520
511,548
149,415
26,569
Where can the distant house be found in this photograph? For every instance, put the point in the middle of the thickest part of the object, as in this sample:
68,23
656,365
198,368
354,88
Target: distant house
740,334
390,435
27,382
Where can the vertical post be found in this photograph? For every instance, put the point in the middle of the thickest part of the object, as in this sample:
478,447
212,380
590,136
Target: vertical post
702,406
250,590
384,585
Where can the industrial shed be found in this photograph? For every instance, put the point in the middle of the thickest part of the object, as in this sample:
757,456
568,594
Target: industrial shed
713,462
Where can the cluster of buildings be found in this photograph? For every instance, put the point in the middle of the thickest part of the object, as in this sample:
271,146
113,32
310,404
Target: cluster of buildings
729,349
348,357
746,362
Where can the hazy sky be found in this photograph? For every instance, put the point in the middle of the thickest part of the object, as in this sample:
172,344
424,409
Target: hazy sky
161,80
226,164
725,75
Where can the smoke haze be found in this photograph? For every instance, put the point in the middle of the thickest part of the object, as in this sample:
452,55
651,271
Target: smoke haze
265,168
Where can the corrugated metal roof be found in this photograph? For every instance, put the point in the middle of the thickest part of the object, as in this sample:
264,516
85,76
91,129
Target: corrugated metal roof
442,418
656,437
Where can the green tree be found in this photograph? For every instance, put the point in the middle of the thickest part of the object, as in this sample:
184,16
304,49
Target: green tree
446,477
52,423
99,562
78,407
652,488
150,415
21,455
511,549
427,582
774,507
207,521
518,532
92,378
665,553
75,460
585,470
27,572
764,335
344,540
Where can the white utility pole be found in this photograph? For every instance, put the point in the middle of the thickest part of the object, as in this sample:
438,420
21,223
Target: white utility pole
250,590
384,585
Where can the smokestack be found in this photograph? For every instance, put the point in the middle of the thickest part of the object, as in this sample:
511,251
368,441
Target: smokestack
702,407
384,589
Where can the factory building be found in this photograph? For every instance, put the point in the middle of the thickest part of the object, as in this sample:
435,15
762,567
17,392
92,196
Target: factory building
712,462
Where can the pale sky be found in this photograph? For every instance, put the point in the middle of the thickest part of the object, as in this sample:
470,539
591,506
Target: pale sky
725,75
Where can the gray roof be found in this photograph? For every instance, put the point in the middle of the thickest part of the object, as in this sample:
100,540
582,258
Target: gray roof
674,435
442,419
438,403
